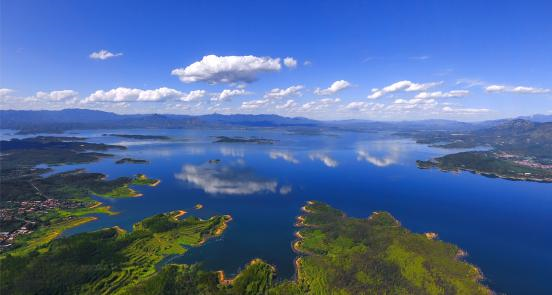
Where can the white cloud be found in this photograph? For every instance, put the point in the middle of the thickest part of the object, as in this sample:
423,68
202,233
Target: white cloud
286,156
5,92
404,85
324,158
216,179
278,93
495,88
290,62
464,111
529,90
320,104
288,105
193,95
440,94
409,105
227,69
104,54
122,94
516,89
363,106
307,63
227,94
57,95
334,88
254,104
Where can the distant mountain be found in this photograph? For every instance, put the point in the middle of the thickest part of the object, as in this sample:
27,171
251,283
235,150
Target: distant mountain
538,118
70,119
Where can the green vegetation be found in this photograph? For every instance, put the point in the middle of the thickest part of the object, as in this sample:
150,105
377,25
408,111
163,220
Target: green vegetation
519,137
131,161
376,256
35,209
521,150
142,179
340,255
490,164
106,261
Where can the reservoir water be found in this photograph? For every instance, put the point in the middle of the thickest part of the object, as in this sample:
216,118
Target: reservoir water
505,226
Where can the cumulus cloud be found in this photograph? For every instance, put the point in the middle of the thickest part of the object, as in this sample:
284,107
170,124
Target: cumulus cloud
290,62
254,104
104,54
278,93
288,105
230,180
227,94
324,158
440,94
193,95
334,88
404,85
516,89
5,92
57,95
123,94
286,156
215,69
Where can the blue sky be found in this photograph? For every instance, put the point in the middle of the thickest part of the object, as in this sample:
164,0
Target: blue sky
386,60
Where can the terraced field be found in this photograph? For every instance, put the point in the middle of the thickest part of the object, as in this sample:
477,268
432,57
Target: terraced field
106,261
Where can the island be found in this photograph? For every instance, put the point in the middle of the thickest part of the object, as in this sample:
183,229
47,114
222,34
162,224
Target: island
131,161
240,139
108,261
516,150
139,136
492,164
337,255
35,209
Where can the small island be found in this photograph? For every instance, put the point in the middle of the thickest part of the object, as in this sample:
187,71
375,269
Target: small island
139,136
240,139
131,161
142,179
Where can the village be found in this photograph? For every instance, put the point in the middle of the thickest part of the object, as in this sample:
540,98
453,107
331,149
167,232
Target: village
22,217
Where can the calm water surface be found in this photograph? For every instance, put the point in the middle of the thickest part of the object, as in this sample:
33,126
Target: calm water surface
504,225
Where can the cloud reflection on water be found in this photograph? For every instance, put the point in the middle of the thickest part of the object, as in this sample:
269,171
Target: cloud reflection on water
390,153
286,156
324,158
230,180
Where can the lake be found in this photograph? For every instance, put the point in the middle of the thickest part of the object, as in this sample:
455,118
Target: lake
503,225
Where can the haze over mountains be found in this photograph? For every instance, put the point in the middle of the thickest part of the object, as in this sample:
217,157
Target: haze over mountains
72,119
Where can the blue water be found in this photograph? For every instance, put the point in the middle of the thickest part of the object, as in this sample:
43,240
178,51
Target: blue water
505,226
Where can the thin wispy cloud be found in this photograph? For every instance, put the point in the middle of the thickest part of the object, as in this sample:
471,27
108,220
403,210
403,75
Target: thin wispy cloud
104,54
